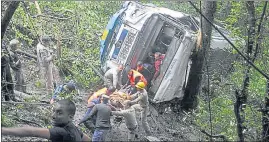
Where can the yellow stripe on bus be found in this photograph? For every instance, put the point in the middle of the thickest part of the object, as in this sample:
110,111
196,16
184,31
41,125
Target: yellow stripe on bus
105,33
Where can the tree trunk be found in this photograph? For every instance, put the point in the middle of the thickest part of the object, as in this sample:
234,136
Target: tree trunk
241,99
265,116
196,71
7,17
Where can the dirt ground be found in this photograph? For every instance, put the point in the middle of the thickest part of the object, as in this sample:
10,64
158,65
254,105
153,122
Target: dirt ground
166,127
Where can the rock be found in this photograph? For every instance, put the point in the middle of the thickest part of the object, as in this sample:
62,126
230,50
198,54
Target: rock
151,138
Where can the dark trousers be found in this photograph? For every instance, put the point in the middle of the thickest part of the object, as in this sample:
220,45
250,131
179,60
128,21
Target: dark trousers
7,88
91,123
99,135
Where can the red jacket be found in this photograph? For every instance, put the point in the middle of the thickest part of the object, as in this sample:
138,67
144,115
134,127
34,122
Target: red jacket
157,65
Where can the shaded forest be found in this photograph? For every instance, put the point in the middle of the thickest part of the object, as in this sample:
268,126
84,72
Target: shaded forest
232,105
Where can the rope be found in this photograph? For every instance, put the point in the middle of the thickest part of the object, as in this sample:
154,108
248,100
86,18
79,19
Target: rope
240,53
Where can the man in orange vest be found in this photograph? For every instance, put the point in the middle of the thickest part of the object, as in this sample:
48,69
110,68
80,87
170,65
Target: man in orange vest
133,78
93,100
147,70
106,91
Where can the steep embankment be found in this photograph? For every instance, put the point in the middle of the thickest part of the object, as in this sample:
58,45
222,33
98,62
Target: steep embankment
167,127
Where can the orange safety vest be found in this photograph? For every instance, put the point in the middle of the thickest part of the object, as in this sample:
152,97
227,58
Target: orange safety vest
135,75
97,94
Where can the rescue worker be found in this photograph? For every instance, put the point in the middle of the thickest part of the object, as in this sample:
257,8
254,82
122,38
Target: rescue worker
64,88
63,129
113,77
100,92
158,61
103,113
94,99
133,78
45,58
17,66
91,124
130,119
147,70
140,102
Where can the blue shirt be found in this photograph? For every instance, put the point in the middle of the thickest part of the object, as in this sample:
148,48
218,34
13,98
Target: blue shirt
57,91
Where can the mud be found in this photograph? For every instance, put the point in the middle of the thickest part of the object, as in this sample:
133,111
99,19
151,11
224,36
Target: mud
168,126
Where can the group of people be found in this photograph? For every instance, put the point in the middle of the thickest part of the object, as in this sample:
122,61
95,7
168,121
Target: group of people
101,105
146,72
99,112
112,101
10,59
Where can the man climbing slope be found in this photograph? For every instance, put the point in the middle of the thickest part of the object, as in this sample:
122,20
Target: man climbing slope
65,89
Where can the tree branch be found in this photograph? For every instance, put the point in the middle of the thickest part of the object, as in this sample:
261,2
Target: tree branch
7,17
27,54
214,136
259,32
7,102
27,121
49,16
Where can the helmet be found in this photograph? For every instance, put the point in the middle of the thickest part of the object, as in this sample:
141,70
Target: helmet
140,85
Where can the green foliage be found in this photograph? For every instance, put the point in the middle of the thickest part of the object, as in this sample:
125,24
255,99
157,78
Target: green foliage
85,20
78,32
223,96
180,6
6,121
38,84
223,120
31,99
70,95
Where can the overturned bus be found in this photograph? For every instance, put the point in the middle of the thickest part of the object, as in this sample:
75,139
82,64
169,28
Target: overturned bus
137,29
